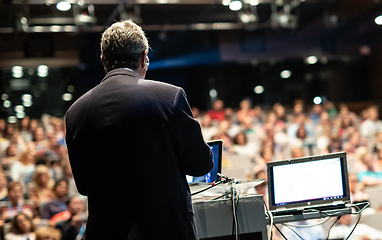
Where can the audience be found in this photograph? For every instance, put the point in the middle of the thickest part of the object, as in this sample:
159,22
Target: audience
58,203
74,227
34,157
361,232
22,228
3,187
15,203
47,233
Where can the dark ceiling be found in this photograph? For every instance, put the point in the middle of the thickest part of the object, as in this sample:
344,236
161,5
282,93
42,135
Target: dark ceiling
336,27
204,33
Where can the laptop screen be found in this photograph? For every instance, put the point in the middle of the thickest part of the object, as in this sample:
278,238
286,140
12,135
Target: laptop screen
217,149
307,182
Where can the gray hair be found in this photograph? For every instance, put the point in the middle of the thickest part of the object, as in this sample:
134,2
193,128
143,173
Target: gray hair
122,45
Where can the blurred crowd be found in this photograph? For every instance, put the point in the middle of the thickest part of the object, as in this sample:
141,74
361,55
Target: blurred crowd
39,200
277,133
38,196
262,135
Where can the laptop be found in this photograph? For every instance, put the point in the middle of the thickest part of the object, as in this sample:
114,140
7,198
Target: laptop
217,150
317,182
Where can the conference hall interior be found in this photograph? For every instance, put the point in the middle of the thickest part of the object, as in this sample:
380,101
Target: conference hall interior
274,79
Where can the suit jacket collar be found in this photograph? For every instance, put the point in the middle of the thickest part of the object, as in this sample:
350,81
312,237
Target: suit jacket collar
122,71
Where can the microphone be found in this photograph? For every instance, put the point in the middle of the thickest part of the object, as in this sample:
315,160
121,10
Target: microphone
223,178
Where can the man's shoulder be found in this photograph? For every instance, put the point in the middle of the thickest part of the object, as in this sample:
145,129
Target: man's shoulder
159,84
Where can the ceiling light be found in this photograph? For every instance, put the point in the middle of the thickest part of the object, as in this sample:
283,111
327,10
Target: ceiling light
67,97
235,5
226,2
213,93
42,71
7,103
70,88
63,6
20,115
317,100
28,103
12,119
311,60
26,97
378,20
247,17
17,71
258,89
19,108
286,74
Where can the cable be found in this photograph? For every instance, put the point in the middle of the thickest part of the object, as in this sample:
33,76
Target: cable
226,194
359,218
221,179
205,189
234,195
270,221
338,218
293,231
311,225
280,232
234,223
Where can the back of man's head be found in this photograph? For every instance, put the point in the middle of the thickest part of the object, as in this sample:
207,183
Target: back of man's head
123,45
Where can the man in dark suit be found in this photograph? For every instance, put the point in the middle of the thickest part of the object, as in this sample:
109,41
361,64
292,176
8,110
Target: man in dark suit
131,142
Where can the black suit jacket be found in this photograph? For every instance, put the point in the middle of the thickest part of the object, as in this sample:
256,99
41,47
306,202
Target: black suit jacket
131,142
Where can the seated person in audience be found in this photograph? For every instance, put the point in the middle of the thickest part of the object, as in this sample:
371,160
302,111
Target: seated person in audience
364,161
25,166
73,227
68,175
254,132
261,188
58,203
58,129
258,115
362,232
266,155
17,140
41,188
372,124
25,132
15,204
40,141
280,112
378,142
208,129
354,142
21,228
346,128
372,175
223,134
3,125
357,193
379,157
242,147
297,152
3,187
10,156
245,110
52,152
217,111
47,233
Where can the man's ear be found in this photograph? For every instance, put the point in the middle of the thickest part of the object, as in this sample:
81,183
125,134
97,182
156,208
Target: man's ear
103,63
143,62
